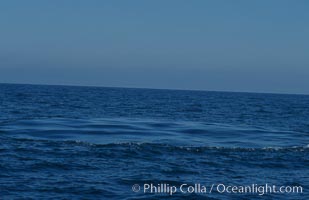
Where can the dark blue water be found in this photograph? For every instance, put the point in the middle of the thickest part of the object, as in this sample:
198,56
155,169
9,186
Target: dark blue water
60,142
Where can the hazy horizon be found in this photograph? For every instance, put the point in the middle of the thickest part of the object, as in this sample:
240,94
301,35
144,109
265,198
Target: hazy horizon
147,88
237,46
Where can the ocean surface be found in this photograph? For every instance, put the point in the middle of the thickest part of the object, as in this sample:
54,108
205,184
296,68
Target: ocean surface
63,142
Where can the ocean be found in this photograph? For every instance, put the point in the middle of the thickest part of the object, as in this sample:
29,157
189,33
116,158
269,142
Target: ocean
69,142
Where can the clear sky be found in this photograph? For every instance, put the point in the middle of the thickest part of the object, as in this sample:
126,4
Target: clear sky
239,45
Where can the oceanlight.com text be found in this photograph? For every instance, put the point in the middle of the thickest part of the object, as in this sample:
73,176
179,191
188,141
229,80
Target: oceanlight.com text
198,188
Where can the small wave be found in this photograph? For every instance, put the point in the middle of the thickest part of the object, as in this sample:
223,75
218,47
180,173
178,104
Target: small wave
161,146
139,131
196,148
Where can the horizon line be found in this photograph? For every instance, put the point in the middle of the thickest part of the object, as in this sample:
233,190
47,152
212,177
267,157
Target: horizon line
177,89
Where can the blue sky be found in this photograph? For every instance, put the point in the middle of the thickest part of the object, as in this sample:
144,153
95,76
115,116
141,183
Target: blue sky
255,46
